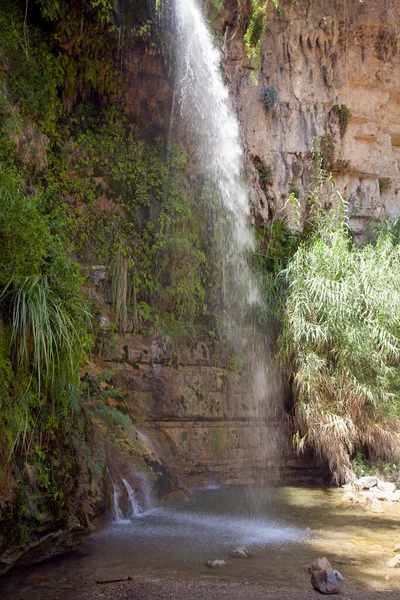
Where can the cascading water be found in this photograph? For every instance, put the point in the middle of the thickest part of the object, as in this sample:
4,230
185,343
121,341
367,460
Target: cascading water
118,516
134,507
203,110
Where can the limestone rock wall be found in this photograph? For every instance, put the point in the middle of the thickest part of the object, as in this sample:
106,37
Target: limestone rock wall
326,53
200,418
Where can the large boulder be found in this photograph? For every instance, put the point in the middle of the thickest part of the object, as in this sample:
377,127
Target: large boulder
371,503
350,497
324,579
364,483
326,582
385,496
386,486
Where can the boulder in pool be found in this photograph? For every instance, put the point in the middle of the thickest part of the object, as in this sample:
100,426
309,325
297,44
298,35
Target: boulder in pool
320,564
215,564
326,582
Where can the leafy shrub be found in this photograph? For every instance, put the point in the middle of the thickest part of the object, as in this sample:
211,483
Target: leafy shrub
276,245
380,468
269,96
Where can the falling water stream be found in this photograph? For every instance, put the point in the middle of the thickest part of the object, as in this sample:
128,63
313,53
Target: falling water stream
203,109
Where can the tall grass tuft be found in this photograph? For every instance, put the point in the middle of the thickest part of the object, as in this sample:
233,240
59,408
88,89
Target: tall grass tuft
44,337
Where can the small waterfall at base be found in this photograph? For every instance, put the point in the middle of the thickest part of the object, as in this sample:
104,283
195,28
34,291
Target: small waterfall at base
134,506
118,516
205,115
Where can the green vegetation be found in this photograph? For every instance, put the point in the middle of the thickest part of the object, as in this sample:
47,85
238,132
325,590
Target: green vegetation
216,7
326,147
380,468
269,96
341,336
80,178
265,174
256,29
344,115
276,244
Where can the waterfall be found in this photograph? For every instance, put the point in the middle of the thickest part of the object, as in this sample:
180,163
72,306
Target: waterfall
118,516
134,508
204,112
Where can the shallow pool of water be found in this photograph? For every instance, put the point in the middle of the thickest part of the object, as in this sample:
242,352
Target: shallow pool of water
285,528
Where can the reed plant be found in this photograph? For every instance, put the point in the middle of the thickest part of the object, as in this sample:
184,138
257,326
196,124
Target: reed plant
341,336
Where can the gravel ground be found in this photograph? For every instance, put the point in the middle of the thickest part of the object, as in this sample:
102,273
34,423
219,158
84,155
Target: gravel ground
194,590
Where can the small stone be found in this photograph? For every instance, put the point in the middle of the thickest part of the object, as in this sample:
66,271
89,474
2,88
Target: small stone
104,322
364,483
388,577
216,564
394,563
240,552
396,548
320,564
326,582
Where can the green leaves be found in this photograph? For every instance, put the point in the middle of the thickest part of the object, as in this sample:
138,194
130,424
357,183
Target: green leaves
255,32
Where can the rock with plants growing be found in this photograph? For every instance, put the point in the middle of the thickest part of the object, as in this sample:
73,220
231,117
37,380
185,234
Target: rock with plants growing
269,96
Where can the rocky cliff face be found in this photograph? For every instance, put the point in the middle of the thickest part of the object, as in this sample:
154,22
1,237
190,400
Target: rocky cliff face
326,57
336,68
200,417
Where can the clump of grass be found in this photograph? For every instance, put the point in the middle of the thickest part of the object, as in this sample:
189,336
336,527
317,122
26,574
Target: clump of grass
44,336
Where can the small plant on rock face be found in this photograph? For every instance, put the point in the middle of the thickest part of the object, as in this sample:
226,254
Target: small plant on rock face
326,147
269,96
265,174
344,115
